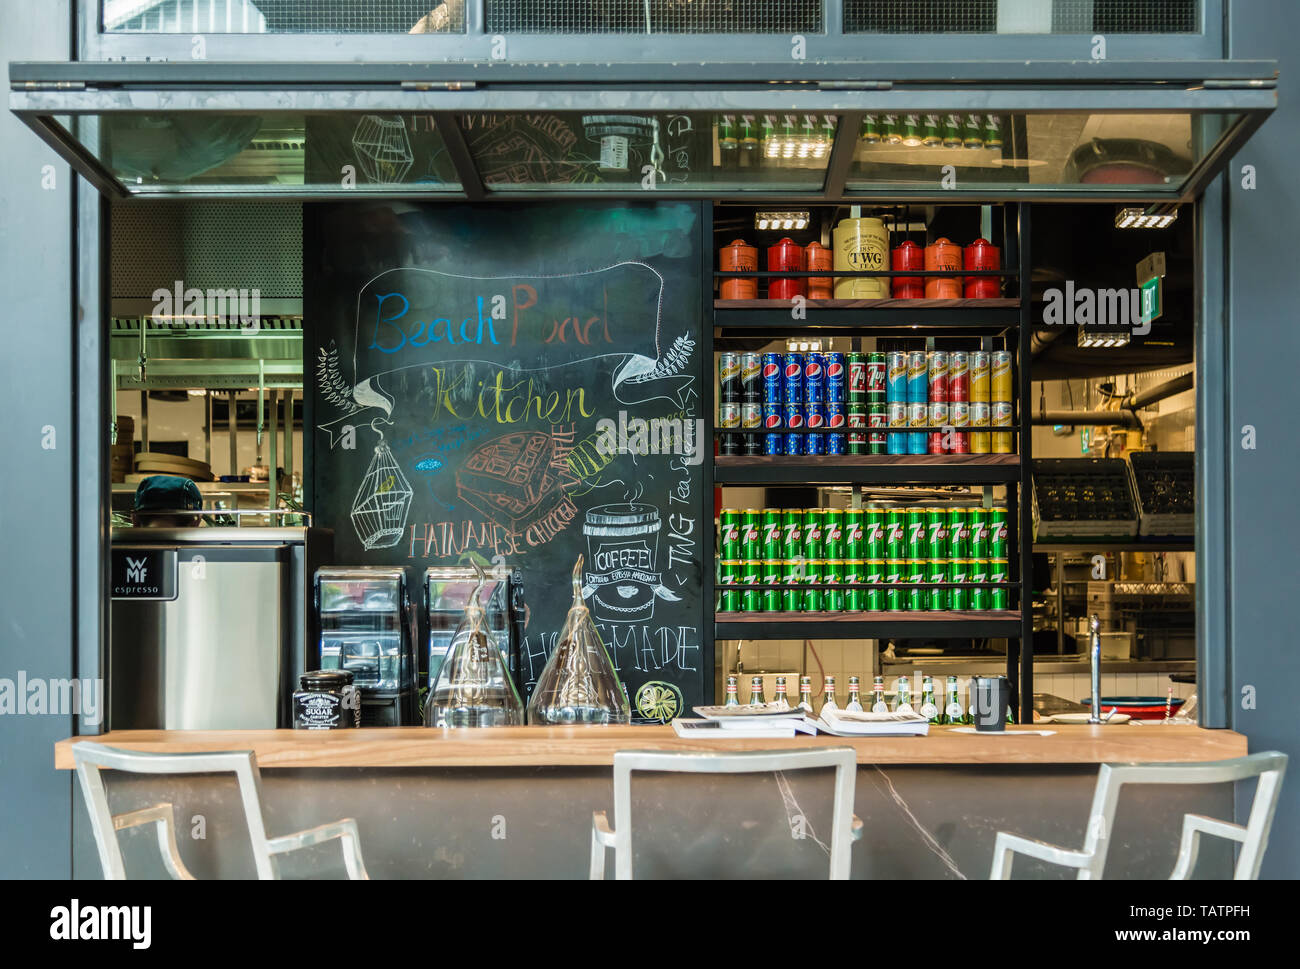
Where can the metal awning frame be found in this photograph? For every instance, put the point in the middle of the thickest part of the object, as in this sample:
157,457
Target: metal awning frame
41,92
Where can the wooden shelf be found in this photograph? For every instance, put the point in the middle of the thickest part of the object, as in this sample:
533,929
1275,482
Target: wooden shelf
596,746
940,624
866,469
785,305
771,318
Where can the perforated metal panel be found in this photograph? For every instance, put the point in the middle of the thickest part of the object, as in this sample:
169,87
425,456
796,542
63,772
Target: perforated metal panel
653,16
1054,16
219,245
284,16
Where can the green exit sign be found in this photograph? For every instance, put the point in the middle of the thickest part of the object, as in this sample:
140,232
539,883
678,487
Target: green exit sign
1152,305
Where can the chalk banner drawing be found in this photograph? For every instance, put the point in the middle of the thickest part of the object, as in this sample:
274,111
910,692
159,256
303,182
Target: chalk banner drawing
518,388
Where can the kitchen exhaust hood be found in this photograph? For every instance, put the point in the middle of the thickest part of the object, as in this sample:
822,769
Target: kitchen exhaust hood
832,131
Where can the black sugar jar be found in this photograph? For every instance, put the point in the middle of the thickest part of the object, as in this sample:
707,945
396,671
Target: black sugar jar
327,701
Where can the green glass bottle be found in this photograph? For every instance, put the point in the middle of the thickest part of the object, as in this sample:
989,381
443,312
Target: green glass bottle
929,709
952,711
903,696
732,699
855,700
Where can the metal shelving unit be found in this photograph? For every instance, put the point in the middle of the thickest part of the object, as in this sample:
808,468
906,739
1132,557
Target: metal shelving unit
986,319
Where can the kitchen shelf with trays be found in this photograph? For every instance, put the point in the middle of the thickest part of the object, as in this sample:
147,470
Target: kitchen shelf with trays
1005,320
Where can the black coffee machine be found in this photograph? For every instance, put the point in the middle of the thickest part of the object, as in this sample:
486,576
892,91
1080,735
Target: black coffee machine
368,626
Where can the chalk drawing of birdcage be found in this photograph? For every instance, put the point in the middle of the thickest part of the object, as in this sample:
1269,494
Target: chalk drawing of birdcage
383,148
384,498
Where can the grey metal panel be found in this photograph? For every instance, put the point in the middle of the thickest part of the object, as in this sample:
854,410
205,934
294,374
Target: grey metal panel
610,70
91,502
1261,483
1213,438
477,45
37,373
645,98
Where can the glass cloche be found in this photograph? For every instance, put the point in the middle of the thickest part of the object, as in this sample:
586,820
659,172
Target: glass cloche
578,683
474,687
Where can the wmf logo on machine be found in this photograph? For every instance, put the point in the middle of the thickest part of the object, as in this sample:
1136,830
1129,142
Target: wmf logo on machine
137,570
148,573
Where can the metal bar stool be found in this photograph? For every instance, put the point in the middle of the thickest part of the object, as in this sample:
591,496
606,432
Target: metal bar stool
845,825
90,758
1091,859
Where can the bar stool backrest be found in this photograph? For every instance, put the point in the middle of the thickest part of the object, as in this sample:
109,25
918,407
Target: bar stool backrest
90,758
1253,836
843,759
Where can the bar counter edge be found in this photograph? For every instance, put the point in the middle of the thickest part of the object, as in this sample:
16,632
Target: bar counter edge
596,745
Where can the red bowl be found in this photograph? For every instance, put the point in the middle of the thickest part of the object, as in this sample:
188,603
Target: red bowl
1137,707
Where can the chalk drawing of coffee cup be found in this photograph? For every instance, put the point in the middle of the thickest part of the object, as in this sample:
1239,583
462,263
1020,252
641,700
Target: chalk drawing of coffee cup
622,547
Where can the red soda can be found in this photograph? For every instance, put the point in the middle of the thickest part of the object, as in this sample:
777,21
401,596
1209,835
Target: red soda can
908,256
982,255
785,257
938,364
958,376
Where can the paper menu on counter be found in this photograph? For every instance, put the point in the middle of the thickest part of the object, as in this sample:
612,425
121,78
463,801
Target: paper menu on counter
841,723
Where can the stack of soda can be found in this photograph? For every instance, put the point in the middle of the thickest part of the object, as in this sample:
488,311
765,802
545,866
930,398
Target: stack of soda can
948,402
740,402
857,560
801,392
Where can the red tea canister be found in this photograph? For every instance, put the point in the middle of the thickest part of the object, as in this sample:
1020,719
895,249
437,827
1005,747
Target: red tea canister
943,256
817,256
786,256
739,257
908,256
982,255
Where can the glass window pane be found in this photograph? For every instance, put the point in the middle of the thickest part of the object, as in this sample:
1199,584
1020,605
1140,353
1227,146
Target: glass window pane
270,153
1077,151
283,16
667,152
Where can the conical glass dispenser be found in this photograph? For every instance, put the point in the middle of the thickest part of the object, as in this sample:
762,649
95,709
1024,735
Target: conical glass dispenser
578,683
474,688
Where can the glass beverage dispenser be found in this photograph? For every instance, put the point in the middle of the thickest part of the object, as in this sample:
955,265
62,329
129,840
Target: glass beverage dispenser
367,626
446,594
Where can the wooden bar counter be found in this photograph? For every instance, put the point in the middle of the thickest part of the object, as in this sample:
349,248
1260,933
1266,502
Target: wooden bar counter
594,746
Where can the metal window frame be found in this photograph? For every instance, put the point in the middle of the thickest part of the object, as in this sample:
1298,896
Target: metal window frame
41,92
95,44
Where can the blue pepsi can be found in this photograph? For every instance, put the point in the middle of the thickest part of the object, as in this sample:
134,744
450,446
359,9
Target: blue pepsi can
814,379
836,374
814,415
835,416
815,444
794,416
836,443
772,421
792,378
772,379
793,444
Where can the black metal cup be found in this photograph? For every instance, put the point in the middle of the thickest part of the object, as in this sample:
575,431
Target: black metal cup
990,696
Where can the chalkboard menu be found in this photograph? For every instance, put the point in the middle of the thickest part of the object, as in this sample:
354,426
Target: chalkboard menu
521,385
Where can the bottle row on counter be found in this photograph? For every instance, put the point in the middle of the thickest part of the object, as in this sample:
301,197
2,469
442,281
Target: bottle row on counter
862,245
883,558
953,712
901,402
